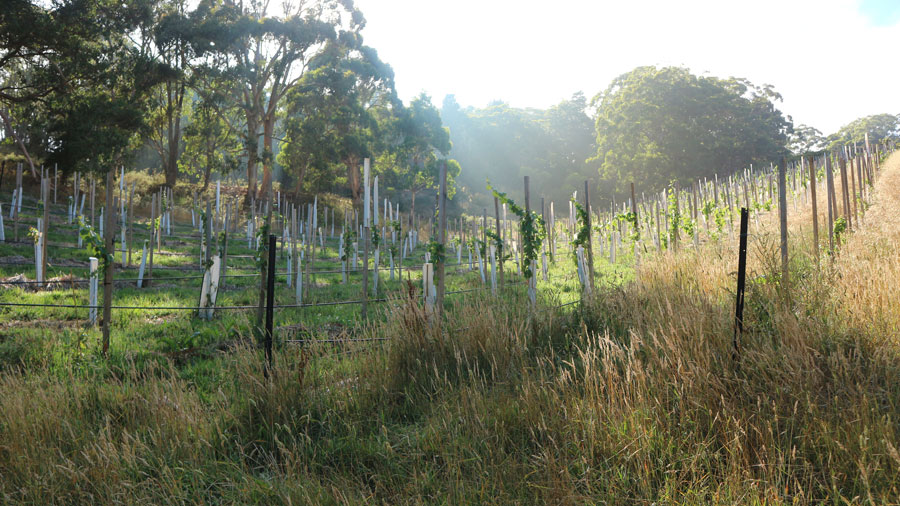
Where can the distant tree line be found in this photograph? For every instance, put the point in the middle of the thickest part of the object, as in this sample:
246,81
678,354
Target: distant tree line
651,127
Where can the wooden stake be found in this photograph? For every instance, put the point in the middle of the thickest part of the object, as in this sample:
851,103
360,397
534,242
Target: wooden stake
845,197
153,206
815,212
852,170
499,234
110,265
442,238
130,222
590,249
782,215
832,204
637,226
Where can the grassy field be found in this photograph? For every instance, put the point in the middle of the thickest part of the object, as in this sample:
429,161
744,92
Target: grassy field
632,396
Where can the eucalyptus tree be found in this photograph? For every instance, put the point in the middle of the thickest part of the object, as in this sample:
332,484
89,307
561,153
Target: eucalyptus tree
805,139
261,56
167,38
209,143
337,114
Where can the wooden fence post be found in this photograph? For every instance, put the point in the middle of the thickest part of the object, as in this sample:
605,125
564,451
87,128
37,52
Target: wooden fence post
224,248
93,192
590,249
815,212
92,291
442,237
852,176
207,234
832,203
532,281
637,226
108,262
845,198
131,222
782,218
499,235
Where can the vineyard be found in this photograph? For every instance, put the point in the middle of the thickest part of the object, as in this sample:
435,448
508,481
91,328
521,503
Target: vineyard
309,342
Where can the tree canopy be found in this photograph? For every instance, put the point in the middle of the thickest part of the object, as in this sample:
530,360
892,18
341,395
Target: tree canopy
655,125
878,127
73,71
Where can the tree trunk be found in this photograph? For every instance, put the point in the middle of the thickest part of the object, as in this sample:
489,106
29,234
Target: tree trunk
12,132
171,165
298,187
268,131
175,99
208,170
353,178
252,156
412,206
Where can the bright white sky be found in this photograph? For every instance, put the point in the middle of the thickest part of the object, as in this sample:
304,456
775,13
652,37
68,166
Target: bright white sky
830,59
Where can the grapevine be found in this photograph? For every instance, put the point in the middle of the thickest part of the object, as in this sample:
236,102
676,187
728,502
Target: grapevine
348,239
94,243
531,227
584,233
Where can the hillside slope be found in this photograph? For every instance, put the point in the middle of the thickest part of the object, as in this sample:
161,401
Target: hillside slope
632,398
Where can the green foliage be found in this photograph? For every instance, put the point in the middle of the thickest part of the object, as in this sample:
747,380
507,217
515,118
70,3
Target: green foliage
674,213
840,227
762,205
376,237
261,257
654,124
805,139
437,252
71,69
502,256
34,234
209,143
720,215
95,245
631,219
878,127
476,244
349,236
340,113
531,227
222,242
582,231
422,148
